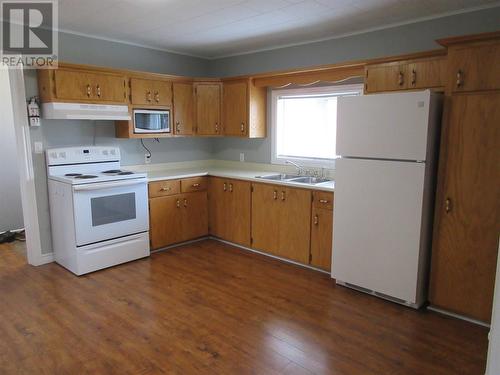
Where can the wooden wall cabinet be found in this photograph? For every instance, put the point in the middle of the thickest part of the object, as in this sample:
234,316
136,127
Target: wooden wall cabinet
244,109
281,221
176,217
229,209
184,108
405,75
75,85
150,92
322,230
208,97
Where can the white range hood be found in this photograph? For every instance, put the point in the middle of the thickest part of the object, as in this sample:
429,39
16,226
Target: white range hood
83,111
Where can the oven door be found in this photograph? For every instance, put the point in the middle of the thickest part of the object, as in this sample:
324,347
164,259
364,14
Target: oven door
110,210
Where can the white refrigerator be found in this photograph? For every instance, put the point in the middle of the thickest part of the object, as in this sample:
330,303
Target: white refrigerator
384,193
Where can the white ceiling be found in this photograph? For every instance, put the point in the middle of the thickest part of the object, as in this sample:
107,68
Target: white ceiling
215,28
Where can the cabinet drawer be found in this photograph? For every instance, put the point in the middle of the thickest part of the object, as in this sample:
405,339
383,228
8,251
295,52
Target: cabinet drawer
162,188
189,185
323,199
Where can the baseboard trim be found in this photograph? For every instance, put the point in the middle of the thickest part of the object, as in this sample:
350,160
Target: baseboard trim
44,259
179,244
458,316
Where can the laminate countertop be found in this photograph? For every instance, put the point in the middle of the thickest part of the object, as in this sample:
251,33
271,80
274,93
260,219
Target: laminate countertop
238,174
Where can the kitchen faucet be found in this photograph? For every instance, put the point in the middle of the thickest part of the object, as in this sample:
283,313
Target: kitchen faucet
300,169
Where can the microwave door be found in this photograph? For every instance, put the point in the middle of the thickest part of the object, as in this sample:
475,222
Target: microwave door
151,121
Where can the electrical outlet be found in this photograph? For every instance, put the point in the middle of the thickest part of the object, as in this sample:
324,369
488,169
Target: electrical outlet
242,157
147,158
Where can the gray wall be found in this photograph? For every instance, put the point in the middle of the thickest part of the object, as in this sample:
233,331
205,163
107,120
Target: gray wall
11,213
410,38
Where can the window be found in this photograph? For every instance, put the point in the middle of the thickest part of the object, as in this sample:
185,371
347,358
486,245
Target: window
304,124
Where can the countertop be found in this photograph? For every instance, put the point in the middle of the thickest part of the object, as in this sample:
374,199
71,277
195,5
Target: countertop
238,174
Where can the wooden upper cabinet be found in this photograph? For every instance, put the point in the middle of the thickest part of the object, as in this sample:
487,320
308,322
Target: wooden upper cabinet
474,67
208,108
403,75
183,119
150,92
385,77
235,108
244,109
69,85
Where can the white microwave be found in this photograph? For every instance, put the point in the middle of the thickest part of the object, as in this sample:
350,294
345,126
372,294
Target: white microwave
151,121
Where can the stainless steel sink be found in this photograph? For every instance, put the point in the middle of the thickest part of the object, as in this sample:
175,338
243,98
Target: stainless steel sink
310,180
279,177
295,178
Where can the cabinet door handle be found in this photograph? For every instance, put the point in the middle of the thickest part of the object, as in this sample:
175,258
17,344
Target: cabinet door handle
275,195
148,96
185,203
178,127
242,127
196,185
324,201
98,89
224,186
157,96
178,203
401,79
89,91
166,188
216,127
413,77
447,205
230,188
316,220
460,78
282,195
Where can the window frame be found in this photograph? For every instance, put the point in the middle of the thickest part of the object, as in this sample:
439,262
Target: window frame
275,93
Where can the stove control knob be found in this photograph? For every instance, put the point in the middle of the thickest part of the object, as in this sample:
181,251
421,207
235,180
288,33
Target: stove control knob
113,152
105,152
62,155
53,155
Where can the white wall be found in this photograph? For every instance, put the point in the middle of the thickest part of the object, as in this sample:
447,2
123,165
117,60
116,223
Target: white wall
493,367
11,216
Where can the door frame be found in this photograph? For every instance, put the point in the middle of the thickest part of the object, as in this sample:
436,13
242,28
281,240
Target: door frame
26,171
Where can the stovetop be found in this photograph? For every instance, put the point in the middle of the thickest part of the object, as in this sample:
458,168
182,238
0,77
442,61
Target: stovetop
92,175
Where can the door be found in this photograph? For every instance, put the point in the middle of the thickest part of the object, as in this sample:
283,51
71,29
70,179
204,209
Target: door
321,238
238,220
194,215
235,108
295,224
467,209
218,206
103,211
73,85
378,220
109,88
386,77
208,107
183,108
266,218
165,215
141,91
427,74
384,126
162,93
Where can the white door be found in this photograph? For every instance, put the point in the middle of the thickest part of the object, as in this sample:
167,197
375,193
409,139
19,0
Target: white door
378,213
384,126
104,211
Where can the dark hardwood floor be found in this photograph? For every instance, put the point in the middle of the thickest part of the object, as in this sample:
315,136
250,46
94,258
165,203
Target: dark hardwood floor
210,308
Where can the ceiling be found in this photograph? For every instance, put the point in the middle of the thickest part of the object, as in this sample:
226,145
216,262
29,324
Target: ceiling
216,28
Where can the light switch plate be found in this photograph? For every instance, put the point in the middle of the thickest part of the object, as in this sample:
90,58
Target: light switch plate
38,146
242,157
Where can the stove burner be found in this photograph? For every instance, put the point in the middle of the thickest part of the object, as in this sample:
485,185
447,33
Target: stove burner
73,174
86,176
125,173
112,171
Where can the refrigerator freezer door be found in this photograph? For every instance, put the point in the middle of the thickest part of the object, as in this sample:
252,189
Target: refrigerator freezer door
377,230
384,126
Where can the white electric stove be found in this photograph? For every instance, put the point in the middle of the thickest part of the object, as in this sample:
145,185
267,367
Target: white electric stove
99,212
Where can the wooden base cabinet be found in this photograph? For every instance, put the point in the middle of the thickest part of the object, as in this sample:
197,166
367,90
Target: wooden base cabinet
322,231
229,210
281,221
178,217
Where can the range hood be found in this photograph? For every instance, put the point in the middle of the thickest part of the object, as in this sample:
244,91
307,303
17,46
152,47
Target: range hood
83,111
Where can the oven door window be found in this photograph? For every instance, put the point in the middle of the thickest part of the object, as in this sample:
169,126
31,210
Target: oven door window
113,209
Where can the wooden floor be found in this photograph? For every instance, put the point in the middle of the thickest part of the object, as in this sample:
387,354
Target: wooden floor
210,308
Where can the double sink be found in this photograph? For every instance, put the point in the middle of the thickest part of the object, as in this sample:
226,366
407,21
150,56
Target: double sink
308,180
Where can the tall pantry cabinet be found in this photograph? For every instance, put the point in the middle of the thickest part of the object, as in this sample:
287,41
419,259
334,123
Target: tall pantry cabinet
467,217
